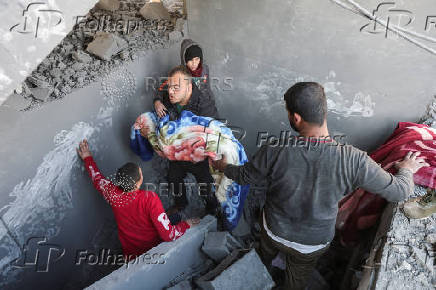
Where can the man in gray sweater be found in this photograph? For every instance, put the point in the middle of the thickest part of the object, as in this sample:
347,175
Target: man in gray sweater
306,177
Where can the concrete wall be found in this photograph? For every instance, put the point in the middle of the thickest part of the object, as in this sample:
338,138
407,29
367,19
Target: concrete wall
29,31
44,191
372,82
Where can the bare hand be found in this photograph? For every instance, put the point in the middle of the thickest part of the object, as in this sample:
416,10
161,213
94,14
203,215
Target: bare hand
160,109
193,222
83,149
221,164
411,162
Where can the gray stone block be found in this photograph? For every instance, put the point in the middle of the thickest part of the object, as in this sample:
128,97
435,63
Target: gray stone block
42,94
155,11
178,256
110,5
106,45
17,102
246,273
218,245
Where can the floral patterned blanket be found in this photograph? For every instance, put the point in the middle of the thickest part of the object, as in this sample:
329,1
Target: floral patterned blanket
195,138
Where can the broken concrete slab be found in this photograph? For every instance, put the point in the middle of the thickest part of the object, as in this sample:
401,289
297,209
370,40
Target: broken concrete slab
229,260
38,81
106,45
155,11
110,5
174,258
42,94
17,102
218,245
247,273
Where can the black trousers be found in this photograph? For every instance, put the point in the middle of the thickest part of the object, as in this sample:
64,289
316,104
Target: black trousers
177,172
299,266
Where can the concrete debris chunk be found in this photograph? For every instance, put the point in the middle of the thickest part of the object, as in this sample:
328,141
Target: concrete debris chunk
110,5
250,272
19,90
17,102
106,45
155,11
42,94
38,81
218,245
81,56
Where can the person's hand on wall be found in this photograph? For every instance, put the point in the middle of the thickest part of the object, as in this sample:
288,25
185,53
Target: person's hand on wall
220,165
160,109
411,162
193,222
83,149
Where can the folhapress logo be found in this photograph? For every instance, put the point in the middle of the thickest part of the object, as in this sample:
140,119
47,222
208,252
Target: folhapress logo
39,254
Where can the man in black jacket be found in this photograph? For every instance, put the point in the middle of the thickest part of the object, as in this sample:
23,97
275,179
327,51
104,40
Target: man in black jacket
307,178
182,95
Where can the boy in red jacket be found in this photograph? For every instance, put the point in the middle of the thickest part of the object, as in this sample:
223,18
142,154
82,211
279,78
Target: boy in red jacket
141,219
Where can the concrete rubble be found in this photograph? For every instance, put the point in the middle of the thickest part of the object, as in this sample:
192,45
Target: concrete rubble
404,251
218,245
407,258
106,45
99,43
246,273
110,5
42,94
155,11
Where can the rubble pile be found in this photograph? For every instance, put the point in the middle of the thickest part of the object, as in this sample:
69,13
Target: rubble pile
409,252
112,33
406,250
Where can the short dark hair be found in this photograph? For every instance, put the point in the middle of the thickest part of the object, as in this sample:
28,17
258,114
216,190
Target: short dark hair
127,176
180,69
309,101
